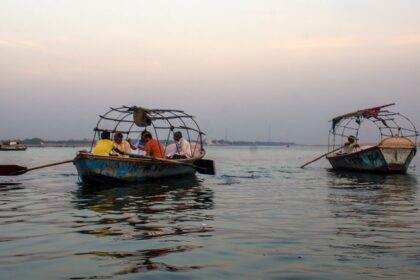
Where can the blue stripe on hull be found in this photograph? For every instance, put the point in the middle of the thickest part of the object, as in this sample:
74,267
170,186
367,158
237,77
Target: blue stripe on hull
101,169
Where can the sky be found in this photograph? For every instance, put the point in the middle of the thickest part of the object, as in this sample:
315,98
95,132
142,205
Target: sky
262,70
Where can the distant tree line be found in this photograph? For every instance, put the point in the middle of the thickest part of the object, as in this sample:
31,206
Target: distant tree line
39,141
246,143
36,141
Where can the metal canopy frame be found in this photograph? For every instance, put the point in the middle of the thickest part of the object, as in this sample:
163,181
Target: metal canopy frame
163,122
388,123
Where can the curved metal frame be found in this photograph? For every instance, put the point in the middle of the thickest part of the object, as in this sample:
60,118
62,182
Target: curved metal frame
166,115
386,122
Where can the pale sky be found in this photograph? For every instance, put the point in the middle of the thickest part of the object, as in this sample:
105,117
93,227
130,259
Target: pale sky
249,66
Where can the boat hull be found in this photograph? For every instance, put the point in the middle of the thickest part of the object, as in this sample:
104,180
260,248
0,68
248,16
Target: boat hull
392,155
103,169
13,148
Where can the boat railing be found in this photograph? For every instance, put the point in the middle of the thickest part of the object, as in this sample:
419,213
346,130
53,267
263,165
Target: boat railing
389,124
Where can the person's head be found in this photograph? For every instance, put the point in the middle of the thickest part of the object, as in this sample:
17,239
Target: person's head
118,137
147,136
351,139
177,135
142,134
105,135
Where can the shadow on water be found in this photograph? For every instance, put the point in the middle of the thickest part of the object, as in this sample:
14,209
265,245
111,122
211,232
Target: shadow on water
162,210
7,186
340,179
374,213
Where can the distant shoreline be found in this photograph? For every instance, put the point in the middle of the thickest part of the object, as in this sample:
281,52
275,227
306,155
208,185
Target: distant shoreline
218,145
226,144
56,145
74,145
83,145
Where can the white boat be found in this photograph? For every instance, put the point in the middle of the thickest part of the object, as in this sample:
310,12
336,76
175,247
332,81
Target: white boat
12,145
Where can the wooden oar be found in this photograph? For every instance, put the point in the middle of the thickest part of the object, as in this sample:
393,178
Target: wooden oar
13,170
321,156
206,166
203,166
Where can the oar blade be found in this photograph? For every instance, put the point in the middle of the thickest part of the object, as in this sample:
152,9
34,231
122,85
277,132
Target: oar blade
12,170
205,166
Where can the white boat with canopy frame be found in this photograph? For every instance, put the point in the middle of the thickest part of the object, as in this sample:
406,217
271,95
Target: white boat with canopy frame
393,153
131,122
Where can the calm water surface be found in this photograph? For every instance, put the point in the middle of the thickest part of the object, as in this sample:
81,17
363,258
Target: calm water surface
260,217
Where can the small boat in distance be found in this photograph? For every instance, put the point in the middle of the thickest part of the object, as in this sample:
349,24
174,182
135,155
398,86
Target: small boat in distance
12,145
393,153
131,122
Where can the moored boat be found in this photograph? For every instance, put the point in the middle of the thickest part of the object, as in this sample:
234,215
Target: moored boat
394,152
12,145
138,168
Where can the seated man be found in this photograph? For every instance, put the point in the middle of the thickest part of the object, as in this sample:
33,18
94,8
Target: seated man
153,147
183,147
139,146
122,144
105,146
351,145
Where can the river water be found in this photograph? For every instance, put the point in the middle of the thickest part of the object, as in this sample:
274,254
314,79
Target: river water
260,217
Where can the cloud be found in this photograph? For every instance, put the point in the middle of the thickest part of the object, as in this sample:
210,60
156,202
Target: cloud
351,42
24,44
412,39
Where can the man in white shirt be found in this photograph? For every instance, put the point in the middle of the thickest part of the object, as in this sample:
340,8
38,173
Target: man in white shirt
183,147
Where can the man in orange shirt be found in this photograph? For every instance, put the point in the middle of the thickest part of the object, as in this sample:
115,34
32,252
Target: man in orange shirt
153,147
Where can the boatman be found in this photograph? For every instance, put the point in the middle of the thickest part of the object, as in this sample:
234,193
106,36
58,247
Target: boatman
351,145
183,147
105,146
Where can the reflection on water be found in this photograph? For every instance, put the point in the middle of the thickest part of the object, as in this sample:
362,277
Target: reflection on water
6,186
143,260
262,217
370,209
343,178
156,210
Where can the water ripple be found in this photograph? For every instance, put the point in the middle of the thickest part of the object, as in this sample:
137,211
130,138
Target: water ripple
261,217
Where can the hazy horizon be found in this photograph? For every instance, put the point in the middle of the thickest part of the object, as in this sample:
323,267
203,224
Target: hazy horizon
263,70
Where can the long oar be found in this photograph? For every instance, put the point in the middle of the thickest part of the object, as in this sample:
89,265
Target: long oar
203,166
321,156
13,170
